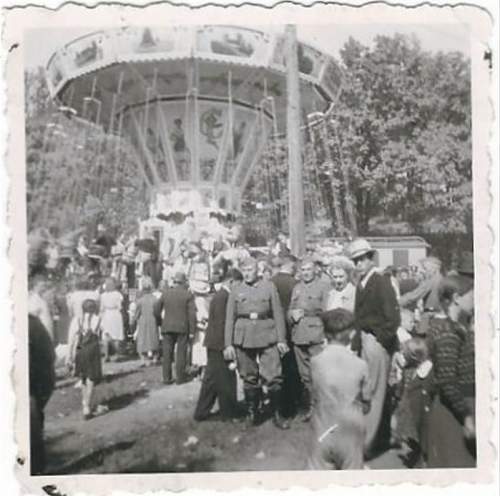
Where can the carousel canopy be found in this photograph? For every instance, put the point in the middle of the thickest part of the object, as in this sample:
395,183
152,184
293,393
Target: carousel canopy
197,103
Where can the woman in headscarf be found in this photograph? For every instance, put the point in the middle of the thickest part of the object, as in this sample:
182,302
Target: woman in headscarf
146,334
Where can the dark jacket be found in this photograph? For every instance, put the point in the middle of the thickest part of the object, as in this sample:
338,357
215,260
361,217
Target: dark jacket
284,284
179,311
41,362
214,335
376,310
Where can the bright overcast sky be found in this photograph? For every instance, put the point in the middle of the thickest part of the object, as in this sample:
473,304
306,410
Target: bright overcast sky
39,45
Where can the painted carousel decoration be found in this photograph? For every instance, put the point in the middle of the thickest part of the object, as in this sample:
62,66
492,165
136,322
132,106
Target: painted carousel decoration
198,104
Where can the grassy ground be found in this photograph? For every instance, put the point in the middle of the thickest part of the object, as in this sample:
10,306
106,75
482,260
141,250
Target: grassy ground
149,428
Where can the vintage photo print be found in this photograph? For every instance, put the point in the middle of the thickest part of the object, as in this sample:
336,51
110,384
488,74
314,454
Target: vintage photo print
250,246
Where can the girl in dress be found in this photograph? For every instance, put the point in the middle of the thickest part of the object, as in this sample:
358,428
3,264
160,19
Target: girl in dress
111,318
85,353
82,291
146,334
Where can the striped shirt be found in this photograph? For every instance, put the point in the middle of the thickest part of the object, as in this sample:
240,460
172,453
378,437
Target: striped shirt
452,352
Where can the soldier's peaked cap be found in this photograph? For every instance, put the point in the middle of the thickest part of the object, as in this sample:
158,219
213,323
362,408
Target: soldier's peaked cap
307,260
248,262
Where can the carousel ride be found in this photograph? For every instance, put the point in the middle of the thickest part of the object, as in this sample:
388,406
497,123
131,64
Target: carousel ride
198,105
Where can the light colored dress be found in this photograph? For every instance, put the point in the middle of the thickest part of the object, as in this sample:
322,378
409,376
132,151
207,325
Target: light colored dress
342,299
111,314
147,328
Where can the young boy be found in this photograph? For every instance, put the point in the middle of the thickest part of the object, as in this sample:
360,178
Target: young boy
415,399
341,397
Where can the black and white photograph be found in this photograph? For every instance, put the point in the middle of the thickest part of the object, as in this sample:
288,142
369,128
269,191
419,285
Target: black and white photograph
253,246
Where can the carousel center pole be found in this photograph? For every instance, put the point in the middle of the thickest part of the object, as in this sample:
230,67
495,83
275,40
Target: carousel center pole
296,193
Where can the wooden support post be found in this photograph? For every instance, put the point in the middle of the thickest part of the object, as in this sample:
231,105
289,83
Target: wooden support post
296,193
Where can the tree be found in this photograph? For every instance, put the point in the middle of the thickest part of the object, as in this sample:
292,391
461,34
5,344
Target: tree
76,174
397,149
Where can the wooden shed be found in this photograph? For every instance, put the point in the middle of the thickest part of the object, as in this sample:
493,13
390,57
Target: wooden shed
401,251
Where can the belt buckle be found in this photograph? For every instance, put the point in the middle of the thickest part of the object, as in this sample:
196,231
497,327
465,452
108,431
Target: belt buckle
254,315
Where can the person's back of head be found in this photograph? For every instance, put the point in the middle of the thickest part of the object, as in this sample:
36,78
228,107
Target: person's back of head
415,351
338,324
451,286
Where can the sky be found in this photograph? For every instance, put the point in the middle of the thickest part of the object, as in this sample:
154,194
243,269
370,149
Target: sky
328,38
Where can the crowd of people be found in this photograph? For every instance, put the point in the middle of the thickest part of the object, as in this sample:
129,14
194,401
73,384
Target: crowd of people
371,358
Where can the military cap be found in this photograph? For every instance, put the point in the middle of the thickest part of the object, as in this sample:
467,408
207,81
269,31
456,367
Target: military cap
248,262
307,260
180,277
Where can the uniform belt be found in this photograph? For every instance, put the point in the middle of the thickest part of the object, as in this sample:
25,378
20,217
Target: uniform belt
255,315
430,310
312,313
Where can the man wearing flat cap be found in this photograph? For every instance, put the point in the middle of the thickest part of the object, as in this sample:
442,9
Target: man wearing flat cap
255,336
309,299
177,325
376,318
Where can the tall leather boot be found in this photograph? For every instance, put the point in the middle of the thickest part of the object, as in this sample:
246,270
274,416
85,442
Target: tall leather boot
306,414
252,404
278,420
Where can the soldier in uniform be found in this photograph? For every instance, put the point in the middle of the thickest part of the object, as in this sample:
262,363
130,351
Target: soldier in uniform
255,336
309,299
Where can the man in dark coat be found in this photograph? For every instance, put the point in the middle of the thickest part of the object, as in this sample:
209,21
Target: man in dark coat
178,323
377,318
219,379
284,280
41,384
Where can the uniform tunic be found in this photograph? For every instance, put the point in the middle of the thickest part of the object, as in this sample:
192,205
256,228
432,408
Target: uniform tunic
308,333
266,327
336,398
254,324
312,298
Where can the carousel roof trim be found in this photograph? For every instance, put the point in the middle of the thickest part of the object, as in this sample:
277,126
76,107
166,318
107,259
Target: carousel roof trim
104,50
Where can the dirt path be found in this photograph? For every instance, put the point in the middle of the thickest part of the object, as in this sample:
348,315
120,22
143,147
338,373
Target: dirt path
148,429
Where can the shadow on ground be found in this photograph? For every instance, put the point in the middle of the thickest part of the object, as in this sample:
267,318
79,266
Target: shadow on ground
93,459
124,400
